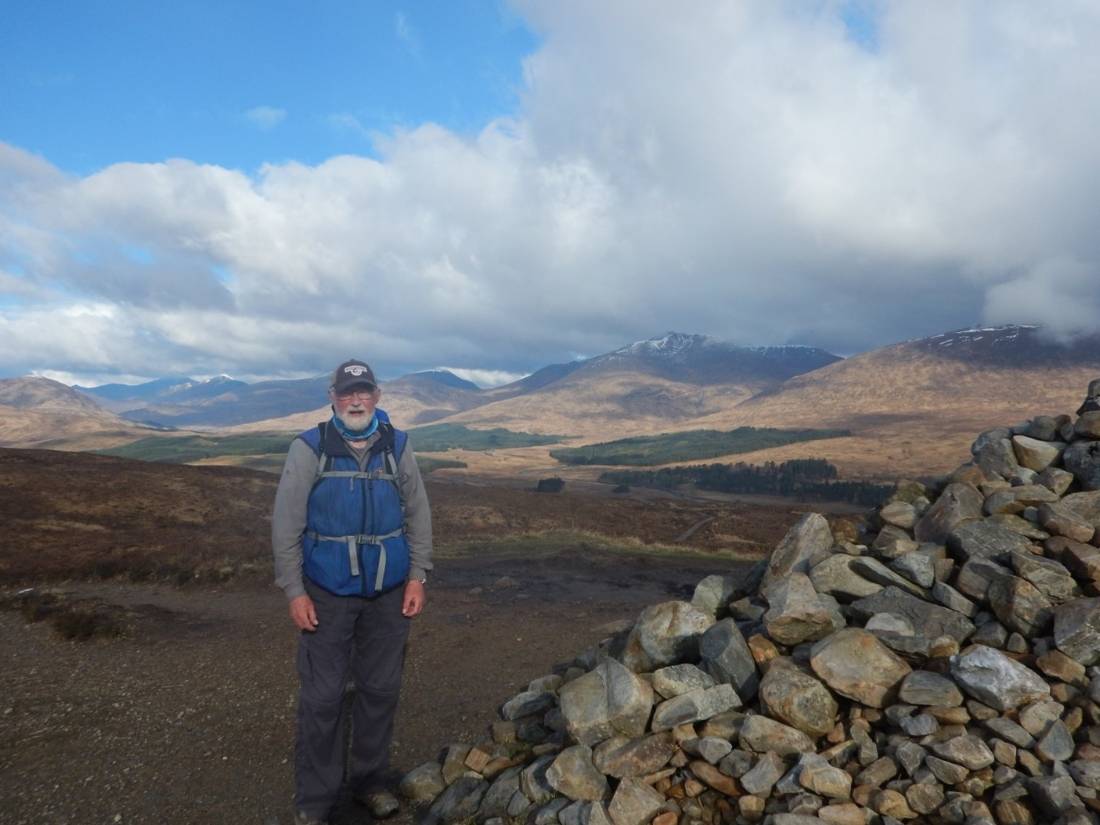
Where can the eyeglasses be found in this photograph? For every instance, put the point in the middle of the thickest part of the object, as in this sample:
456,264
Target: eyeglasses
362,395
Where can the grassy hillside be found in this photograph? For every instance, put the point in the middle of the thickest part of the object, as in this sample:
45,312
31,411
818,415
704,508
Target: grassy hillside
686,446
187,448
437,438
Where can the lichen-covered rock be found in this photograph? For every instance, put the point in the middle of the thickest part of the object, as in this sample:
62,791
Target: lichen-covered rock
797,614
808,541
604,702
798,699
665,634
856,664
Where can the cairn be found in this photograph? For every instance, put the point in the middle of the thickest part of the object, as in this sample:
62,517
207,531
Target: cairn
941,664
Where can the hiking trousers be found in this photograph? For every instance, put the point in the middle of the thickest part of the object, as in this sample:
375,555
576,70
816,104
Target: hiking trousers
363,638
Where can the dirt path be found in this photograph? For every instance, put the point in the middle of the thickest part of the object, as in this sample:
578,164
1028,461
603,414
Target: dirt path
189,718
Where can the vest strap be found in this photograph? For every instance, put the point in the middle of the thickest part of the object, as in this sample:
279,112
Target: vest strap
373,474
353,555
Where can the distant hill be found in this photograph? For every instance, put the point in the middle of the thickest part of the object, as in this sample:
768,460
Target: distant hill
35,410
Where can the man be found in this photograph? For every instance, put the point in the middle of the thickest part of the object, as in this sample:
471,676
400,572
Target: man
352,538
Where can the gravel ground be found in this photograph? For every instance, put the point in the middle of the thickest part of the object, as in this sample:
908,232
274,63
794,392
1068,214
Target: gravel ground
188,717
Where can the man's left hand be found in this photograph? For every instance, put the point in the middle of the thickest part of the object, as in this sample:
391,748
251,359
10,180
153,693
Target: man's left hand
414,599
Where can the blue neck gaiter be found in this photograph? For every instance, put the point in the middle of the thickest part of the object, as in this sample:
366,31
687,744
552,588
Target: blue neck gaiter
354,435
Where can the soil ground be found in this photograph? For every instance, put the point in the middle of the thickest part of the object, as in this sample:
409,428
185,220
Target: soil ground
187,715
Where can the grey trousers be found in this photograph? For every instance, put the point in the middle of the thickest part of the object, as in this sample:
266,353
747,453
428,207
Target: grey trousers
363,638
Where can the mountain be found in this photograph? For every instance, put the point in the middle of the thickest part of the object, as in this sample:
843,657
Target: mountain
119,397
35,410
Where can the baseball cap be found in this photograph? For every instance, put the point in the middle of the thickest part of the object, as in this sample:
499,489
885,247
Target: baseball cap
353,373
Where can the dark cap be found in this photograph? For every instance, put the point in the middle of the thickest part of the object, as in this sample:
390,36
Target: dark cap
352,374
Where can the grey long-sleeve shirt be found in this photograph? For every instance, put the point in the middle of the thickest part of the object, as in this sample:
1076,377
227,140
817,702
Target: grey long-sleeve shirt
288,520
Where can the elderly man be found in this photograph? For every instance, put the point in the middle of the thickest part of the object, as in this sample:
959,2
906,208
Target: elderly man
352,538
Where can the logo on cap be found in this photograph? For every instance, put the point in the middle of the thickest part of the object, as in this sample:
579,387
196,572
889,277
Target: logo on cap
355,369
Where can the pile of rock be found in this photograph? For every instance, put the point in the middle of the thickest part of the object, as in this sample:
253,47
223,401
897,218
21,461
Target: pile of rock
938,664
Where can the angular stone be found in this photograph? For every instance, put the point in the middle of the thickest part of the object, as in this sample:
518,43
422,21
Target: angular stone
874,570
857,665
892,542
968,751
880,771
924,797
1054,795
737,763
604,702
713,593
985,539
665,634
890,623
1059,519
726,657
1035,454
995,679
459,801
891,803
1086,505
454,762
533,782
918,568
548,813
528,703
1010,731
1020,606
836,577
819,777
910,756
1038,716
1086,772
710,749
922,687
1021,526
798,699
952,599
1017,499
1056,745
806,542
499,796
763,775
761,734
1051,578
1083,560
1082,458
714,778
933,620
676,679
1077,630
975,577
796,612
423,783
949,773
572,774
1058,665
956,504
1056,479
899,514
621,757
694,706
634,803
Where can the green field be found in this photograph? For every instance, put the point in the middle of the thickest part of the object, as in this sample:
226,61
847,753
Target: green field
428,463
691,445
438,438
184,449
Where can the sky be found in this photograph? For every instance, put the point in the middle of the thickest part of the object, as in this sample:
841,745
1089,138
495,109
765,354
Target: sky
264,189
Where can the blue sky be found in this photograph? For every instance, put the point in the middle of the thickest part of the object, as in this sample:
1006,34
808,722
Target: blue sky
240,84
265,188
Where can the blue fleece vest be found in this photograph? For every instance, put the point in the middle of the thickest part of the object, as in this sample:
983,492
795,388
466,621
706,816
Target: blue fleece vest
354,543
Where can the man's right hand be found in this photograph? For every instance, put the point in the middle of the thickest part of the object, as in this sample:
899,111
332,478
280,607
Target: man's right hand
303,614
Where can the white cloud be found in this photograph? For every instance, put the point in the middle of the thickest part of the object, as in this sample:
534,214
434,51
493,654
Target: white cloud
407,35
485,378
745,169
265,117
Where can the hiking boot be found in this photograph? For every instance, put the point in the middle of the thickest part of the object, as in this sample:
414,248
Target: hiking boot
302,818
380,804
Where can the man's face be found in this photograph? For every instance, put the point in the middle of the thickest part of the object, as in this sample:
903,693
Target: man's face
356,406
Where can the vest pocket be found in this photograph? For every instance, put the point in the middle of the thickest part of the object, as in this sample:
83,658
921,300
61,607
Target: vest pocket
327,565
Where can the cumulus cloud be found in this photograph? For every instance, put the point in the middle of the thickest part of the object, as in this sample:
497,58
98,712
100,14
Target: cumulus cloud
486,378
755,170
265,117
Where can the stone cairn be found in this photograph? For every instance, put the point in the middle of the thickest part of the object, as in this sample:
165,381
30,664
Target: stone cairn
937,664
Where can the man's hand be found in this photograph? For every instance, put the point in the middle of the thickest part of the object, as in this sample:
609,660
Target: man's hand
303,614
414,598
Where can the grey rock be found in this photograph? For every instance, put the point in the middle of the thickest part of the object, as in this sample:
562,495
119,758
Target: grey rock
798,699
1082,458
713,593
454,759
518,805
976,575
997,458
836,577
665,634
1020,606
1082,560
949,773
1050,577
1056,745
819,777
1010,731
1087,425
919,725
874,570
910,756
459,801
725,655
761,734
1086,772
423,783
796,613
1018,498
1077,630
1021,525
677,679
924,797
989,437
1045,427
968,750
890,623
880,771
952,599
533,782
1085,505
736,763
995,679
808,541
933,620
606,701
634,803
917,567
572,774
892,542
899,514
576,813
1056,479
957,503
694,706
708,748
528,703
548,813
621,757
1060,519
1038,716
855,664
985,539
922,687
1054,795
760,780
500,793
990,634
795,819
